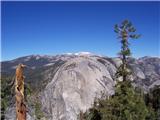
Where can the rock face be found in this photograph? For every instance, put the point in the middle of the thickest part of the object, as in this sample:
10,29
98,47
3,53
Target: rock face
74,87
67,84
146,72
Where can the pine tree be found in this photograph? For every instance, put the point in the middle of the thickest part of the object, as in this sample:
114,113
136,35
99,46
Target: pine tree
126,104
152,99
125,31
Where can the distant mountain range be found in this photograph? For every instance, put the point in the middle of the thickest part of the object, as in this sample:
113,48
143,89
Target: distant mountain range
63,85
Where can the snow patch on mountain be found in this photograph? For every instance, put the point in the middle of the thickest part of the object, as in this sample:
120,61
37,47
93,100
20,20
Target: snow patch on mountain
79,53
83,53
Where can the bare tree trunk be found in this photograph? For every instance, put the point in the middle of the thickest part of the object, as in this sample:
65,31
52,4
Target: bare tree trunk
19,90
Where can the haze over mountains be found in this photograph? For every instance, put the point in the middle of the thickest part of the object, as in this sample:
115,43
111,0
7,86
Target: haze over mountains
63,85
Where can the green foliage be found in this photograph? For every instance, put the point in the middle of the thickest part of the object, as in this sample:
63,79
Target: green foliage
126,52
131,105
125,31
39,114
28,89
122,72
5,93
8,92
126,104
152,100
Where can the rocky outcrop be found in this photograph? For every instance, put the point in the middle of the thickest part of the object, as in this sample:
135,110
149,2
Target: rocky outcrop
75,86
70,83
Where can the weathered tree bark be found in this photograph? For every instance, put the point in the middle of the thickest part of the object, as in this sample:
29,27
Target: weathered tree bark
19,90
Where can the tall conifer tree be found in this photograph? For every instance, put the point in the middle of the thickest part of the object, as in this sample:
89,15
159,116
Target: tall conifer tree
125,31
126,103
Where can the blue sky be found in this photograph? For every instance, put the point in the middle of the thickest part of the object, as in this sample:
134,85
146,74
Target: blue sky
61,27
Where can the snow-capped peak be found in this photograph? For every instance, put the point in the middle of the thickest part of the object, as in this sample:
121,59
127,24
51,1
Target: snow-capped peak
79,53
83,53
